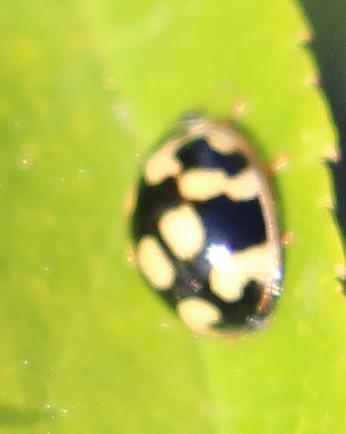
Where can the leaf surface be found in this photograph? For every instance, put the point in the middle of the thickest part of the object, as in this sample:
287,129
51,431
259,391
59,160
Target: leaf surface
86,89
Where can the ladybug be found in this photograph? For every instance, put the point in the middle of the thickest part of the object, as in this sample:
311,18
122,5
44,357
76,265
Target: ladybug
205,230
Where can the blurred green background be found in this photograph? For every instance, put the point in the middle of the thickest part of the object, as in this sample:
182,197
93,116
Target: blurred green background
86,89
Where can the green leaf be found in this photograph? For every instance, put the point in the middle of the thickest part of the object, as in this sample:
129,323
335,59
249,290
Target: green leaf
87,88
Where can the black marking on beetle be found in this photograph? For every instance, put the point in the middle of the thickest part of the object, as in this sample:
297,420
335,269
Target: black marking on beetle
240,312
235,224
168,296
198,153
152,202
191,276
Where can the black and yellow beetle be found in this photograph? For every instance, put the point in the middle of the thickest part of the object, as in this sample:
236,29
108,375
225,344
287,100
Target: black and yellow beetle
205,230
